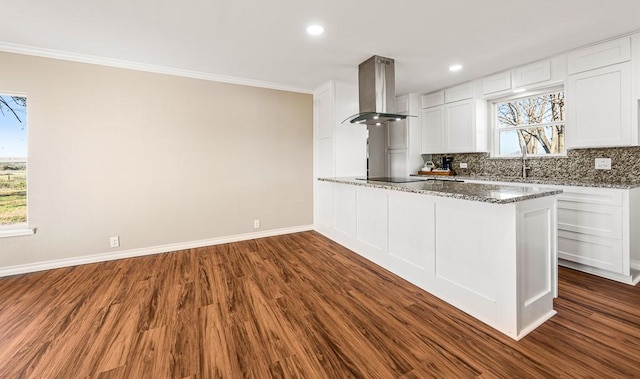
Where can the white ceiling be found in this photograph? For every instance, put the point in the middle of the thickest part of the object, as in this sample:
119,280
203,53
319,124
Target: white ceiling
266,40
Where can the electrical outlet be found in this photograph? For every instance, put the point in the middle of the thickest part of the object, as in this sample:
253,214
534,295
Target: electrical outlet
256,224
603,163
463,165
114,241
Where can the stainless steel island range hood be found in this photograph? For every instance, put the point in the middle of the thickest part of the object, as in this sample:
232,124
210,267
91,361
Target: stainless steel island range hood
377,92
377,98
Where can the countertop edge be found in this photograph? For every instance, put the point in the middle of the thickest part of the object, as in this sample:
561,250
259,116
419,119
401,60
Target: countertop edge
391,186
539,181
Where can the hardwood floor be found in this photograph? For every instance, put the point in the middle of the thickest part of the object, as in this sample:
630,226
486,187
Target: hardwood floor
293,306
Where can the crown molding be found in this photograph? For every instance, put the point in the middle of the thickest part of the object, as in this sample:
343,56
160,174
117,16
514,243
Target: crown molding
103,61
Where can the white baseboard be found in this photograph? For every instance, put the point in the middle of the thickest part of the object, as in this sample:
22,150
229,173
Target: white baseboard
67,262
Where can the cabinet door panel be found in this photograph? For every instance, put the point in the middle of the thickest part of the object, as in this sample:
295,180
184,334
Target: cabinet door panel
496,83
432,130
372,218
599,55
599,107
459,130
397,135
532,73
397,163
432,99
459,92
344,209
596,220
592,196
599,252
412,235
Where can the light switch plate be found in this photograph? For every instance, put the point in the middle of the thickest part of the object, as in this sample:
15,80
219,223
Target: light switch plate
463,165
603,163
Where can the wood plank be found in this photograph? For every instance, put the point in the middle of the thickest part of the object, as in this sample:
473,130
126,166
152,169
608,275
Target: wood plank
293,306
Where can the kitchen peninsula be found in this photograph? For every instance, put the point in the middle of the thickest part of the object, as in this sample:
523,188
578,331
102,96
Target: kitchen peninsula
489,250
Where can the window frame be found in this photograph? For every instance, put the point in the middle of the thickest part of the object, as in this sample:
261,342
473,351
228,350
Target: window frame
19,228
495,130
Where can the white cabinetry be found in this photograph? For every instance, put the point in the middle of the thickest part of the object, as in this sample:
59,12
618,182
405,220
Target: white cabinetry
465,123
433,129
496,83
533,73
502,272
595,231
599,107
455,127
599,97
340,149
403,139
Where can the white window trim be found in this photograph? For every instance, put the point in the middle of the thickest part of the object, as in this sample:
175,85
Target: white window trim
16,230
19,229
495,131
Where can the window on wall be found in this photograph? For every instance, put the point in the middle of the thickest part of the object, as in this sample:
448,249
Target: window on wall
13,161
532,124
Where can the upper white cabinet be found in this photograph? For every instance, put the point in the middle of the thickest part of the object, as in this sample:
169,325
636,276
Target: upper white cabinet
433,130
455,127
432,99
599,96
397,132
340,149
600,55
459,92
403,139
599,107
534,73
496,83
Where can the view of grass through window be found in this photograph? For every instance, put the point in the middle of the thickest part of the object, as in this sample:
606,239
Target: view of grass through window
13,159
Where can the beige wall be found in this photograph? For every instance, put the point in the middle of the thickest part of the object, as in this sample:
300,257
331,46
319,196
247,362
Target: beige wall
155,159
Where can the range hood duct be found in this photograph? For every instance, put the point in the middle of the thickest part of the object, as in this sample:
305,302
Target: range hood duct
377,92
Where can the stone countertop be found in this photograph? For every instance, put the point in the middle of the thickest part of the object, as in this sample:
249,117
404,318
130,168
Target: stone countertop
547,181
488,193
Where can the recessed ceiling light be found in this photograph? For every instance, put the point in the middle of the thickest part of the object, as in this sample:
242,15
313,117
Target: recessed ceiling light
455,67
315,30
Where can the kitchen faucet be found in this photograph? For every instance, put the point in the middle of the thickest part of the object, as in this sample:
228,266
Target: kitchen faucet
524,163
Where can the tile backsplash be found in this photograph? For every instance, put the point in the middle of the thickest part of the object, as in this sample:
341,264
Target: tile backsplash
578,165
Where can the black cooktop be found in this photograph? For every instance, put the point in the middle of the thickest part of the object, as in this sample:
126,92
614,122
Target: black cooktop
392,179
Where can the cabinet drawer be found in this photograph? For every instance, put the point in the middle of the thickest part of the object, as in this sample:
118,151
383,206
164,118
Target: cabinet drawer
593,196
600,55
604,253
591,219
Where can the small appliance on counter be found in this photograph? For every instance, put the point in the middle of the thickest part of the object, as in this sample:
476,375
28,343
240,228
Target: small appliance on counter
428,166
446,168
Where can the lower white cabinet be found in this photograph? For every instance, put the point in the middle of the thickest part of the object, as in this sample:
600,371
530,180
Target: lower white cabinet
500,270
596,228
